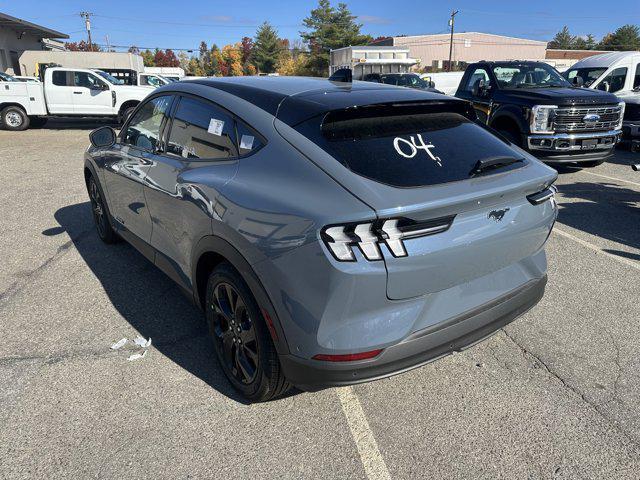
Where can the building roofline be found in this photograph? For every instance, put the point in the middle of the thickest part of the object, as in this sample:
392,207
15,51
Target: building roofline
471,33
28,27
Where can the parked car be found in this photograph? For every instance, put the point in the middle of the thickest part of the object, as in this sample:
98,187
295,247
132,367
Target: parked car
410,80
67,92
332,233
615,72
536,108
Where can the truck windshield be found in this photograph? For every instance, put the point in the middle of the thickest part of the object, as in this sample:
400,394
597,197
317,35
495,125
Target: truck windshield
109,78
528,75
588,75
6,78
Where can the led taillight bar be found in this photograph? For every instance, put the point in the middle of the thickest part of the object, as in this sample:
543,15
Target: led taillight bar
341,239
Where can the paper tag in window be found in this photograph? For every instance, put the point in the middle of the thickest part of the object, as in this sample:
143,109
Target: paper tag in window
215,127
246,142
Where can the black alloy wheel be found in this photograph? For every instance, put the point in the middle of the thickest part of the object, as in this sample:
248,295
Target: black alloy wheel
234,332
100,214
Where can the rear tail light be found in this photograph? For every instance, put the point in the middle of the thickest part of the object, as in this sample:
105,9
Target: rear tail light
542,196
348,357
342,239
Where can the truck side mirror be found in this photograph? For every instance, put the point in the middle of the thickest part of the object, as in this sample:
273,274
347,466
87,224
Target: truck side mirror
103,137
479,88
578,81
431,84
604,86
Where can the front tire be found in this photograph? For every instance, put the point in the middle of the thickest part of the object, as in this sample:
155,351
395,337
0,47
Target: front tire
100,214
14,118
241,339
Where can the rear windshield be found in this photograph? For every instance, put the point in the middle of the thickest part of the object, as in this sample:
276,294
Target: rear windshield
408,147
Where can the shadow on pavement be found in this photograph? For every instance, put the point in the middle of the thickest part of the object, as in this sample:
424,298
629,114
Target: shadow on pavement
146,298
77,124
607,211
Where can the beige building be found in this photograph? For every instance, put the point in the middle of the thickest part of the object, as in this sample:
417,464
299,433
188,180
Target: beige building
468,47
30,59
18,35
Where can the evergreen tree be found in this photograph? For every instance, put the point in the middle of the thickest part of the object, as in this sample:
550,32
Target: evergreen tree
626,37
563,40
267,48
330,28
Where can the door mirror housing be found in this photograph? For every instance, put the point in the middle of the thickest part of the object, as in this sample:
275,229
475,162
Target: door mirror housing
604,86
100,87
430,84
578,81
103,137
480,88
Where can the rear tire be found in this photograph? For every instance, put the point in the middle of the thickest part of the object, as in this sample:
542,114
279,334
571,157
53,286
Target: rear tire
125,114
100,213
14,118
240,337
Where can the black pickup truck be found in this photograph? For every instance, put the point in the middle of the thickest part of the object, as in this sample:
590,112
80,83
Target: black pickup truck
533,106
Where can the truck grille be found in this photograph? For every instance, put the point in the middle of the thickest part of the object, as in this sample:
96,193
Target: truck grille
572,119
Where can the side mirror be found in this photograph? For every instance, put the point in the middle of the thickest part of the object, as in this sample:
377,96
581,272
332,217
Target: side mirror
578,81
103,137
479,88
100,87
431,84
604,86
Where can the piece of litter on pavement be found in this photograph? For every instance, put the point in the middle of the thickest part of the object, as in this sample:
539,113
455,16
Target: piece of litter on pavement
142,342
118,344
136,356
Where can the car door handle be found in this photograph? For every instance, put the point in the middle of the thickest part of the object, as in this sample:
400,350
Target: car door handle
78,93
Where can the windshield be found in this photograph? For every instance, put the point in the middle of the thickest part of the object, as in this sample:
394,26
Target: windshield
528,75
6,78
109,78
588,75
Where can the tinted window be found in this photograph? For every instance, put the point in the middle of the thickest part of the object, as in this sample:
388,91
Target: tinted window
248,140
59,78
477,75
636,79
143,130
407,147
87,80
615,80
588,75
202,130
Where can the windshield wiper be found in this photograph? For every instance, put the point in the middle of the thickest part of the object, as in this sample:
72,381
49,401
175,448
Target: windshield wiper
493,162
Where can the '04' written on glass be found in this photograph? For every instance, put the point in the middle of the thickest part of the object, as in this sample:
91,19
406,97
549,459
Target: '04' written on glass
410,148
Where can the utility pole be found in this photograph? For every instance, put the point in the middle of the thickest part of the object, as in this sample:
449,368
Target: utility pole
87,24
106,37
451,22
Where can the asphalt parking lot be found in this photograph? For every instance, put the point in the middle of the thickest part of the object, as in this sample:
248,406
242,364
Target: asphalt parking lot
554,395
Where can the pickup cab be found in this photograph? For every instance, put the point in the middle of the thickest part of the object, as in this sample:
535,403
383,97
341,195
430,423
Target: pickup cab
537,109
66,92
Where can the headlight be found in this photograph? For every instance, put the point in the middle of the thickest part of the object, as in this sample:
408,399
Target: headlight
622,107
542,118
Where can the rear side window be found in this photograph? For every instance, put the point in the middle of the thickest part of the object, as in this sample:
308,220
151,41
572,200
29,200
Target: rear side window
248,140
59,78
202,130
408,147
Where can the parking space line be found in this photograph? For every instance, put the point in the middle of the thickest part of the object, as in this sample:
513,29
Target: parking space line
597,249
613,178
370,456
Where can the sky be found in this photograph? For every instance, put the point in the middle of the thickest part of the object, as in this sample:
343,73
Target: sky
183,24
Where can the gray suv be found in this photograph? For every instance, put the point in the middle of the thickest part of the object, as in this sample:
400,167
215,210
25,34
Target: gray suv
332,233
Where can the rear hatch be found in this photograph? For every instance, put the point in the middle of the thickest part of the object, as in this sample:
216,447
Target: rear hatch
459,192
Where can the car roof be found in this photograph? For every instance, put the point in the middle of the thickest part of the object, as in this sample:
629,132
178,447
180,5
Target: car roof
603,60
294,99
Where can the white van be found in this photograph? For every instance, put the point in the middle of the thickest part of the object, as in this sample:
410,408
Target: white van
615,72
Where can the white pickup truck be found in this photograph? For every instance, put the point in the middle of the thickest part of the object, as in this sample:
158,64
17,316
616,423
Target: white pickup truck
66,92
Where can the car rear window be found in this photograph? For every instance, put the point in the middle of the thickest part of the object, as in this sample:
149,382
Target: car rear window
408,146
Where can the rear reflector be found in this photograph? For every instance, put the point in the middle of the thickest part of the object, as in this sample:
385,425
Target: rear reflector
348,357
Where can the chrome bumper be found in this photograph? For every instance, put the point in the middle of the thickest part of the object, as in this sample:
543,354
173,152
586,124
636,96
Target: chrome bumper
567,142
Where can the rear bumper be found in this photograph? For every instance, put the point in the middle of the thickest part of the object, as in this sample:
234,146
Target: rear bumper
573,147
420,347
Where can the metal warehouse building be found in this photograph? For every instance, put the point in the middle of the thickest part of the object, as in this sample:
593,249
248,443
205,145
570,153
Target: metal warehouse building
433,50
18,35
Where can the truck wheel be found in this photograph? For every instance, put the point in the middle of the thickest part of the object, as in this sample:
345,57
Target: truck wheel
125,114
38,122
14,118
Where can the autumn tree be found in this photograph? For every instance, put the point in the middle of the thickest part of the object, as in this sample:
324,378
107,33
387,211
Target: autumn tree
82,46
148,58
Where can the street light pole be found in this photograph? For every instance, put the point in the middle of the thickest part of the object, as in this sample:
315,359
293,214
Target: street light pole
451,22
